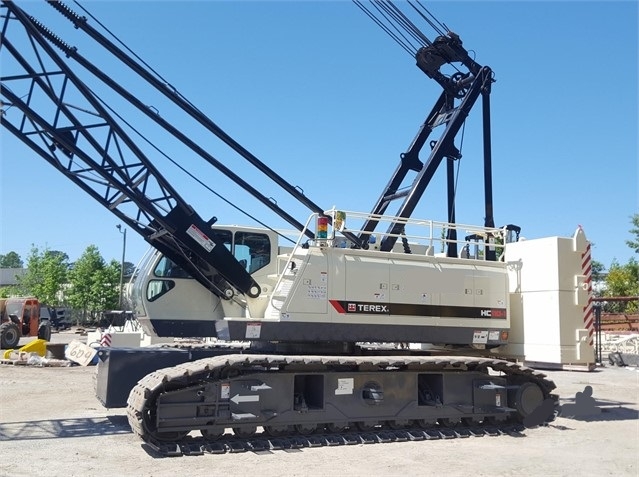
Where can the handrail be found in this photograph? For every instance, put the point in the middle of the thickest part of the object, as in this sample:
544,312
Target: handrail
429,239
290,258
434,230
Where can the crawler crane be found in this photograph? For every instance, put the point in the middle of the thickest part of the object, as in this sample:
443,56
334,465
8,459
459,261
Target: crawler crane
322,313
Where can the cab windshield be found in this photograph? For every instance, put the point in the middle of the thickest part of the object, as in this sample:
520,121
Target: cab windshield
15,309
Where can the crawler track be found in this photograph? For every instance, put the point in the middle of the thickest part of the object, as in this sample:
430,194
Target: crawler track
229,444
144,397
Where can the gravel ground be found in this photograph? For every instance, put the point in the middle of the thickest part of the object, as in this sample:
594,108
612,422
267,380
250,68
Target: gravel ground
51,424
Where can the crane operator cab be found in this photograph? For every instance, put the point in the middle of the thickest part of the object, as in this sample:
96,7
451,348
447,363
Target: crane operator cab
162,288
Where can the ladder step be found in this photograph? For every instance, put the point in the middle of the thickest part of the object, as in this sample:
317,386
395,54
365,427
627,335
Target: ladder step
396,195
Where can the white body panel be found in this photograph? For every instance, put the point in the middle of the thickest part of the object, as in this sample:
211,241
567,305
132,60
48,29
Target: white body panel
533,301
188,300
388,279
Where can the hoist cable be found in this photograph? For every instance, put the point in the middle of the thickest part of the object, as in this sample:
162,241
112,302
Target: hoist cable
443,25
430,22
407,24
399,22
386,29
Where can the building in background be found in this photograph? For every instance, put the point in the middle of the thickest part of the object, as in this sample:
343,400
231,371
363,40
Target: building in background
8,276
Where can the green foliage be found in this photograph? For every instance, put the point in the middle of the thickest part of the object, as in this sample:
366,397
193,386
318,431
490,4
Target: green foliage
94,284
106,289
129,268
45,277
10,290
622,280
634,244
11,260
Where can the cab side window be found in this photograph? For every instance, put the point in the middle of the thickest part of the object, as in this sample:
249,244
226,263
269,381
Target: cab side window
157,288
226,237
166,268
253,250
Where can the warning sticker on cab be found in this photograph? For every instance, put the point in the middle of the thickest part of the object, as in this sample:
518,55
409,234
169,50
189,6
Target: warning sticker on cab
344,386
201,238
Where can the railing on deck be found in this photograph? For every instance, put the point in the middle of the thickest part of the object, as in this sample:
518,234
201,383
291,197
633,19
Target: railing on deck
428,235
419,237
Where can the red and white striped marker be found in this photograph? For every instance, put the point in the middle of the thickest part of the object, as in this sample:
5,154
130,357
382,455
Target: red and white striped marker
105,341
589,317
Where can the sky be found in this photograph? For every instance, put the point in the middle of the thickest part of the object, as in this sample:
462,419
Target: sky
320,94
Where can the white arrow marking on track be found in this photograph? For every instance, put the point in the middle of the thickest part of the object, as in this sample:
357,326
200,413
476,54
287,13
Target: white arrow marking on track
238,399
246,415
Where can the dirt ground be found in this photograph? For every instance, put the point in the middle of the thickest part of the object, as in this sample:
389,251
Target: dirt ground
51,424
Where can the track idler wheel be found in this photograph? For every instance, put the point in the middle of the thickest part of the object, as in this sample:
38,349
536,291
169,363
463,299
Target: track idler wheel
426,423
277,431
148,422
525,399
245,432
305,429
448,421
336,428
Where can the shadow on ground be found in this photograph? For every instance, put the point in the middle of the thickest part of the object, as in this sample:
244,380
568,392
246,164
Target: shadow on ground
64,428
584,407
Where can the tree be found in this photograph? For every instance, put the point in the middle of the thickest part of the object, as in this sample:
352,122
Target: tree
105,289
45,276
129,268
94,284
11,260
598,269
623,280
598,277
9,290
634,244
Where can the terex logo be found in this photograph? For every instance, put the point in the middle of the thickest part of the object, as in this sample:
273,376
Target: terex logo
364,308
